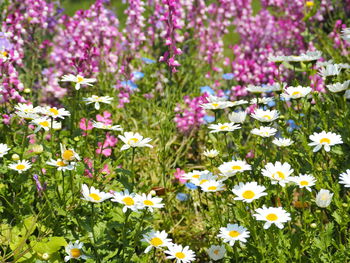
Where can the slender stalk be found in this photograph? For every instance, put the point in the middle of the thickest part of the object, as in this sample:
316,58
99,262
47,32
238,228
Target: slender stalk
93,232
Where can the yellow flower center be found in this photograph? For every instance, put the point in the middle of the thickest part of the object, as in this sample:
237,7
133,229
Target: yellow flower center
94,196
325,140
4,53
216,252
233,233
133,140
75,252
236,167
80,79
180,255
156,241
20,167
61,163
248,194
215,104
272,217
128,200
309,3
148,202
279,174
203,181
296,93
212,188
223,127
54,111
44,123
304,183
267,117
324,197
68,155
195,176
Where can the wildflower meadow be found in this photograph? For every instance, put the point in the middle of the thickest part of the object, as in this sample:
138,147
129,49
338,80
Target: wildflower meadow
175,131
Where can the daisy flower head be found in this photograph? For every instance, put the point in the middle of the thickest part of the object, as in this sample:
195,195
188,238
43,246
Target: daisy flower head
239,102
205,177
131,139
338,87
103,126
324,198
345,178
264,131
345,34
195,174
296,92
127,199
329,70
258,89
225,127
282,142
97,100
248,192
61,164
3,149
306,57
272,215
180,254
156,239
68,154
325,139
94,195
216,105
237,117
45,123
232,233
278,172
55,112
304,181
148,201
211,153
27,111
231,168
74,251
216,252
265,115
4,55
20,166
78,80
212,186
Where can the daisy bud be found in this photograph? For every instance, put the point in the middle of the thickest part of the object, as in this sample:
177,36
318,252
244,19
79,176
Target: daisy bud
153,193
37,148
76,139
313,225
15,157
323,198
45,256
27,90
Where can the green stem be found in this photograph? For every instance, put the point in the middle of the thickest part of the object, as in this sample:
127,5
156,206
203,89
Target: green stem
93,232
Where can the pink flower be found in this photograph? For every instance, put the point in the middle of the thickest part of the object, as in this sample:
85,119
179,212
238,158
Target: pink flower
85,125
105,118
178,175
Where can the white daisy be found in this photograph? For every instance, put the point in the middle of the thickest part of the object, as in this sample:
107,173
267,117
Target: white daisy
264,131
103,126
263,100
127,199
134,140
216,105
55,112
324,198
26,111
304,181
329,70
79,80
203,179
232,233
258,89
345,34
338,87
74,251
226,127
305,57
231,168
325,139
212,186
94,195
216,252
46,124
4,55
195,174
147,201
20,166
272,215
97,100
237,117
211,153
68,154
248,192
3,149
239,102
61,165
265,115
282,142
156,240
296,92
345,178
278,172
182,255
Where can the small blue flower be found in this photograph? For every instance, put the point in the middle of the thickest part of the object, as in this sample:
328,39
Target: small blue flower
228,76
148,60
271,103
182,196
129,84
209,119
191,186
292,125
138,75
208,90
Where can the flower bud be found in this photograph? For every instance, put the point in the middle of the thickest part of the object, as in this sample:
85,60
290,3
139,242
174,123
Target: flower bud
15,157
37,148
313,225
323,198
27,90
